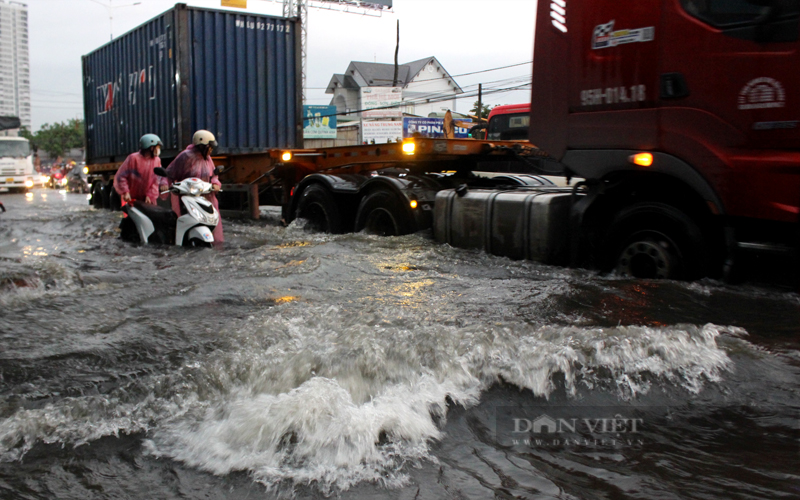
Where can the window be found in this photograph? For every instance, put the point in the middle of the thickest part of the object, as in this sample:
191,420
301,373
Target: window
509,127
730,13
760,20
14,149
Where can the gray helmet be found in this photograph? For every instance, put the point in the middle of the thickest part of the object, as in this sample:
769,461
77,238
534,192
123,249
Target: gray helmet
149,140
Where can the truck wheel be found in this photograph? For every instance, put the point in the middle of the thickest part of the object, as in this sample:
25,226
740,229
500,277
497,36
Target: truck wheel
382,213
656,241
318,207
114,199
97,195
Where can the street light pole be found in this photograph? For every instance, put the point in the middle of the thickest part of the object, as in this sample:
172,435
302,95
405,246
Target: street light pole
111,8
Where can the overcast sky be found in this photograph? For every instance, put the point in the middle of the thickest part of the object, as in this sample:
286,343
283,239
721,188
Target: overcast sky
466,36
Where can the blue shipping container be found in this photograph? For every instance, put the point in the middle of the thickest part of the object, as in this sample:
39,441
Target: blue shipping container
235,74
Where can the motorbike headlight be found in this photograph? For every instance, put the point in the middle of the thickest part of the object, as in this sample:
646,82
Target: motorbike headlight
195,190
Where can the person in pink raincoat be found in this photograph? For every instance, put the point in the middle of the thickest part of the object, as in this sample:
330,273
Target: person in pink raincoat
135,179
195,161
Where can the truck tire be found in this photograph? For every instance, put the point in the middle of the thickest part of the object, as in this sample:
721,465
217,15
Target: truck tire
656,241
318,207
97,195
384,214
106,189
114,199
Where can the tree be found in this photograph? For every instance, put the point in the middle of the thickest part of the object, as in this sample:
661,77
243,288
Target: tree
484,110
57,138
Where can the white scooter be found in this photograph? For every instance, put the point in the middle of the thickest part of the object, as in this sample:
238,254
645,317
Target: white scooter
153,224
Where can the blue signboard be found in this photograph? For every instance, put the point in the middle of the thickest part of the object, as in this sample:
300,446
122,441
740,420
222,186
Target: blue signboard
431,128
319,122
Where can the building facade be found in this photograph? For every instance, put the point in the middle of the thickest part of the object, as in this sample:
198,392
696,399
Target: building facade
15,85
426,86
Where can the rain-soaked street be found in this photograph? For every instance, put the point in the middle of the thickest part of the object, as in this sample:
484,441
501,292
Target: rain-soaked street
299,364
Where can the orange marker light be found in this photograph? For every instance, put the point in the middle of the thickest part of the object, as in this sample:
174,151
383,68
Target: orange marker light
413,203
408,148
286,156
641,159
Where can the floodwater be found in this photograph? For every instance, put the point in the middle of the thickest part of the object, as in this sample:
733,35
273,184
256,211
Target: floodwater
294,364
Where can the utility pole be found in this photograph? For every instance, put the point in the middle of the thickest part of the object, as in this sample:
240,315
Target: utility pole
299,8
396,52
480,102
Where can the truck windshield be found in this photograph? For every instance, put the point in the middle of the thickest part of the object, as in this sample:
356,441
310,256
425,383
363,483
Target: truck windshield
731,13
509,127
14,149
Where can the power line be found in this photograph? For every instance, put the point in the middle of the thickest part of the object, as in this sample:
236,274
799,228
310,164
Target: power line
448,76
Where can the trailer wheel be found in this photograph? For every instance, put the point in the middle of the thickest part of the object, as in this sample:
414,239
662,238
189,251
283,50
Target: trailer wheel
318,207
656,241
382,213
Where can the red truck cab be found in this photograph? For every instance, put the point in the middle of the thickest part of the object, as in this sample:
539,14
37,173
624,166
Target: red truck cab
710,90
508,122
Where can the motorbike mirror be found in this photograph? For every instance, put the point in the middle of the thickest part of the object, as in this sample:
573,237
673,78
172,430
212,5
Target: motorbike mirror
160,171
218,170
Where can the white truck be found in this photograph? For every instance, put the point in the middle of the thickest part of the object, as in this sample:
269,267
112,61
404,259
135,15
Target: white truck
16,164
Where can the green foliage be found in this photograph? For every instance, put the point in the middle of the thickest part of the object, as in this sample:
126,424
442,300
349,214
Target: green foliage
57,138
484,110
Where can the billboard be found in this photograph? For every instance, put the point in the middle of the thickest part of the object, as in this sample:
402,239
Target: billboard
366,4
381,132
432,128
319,122
376,102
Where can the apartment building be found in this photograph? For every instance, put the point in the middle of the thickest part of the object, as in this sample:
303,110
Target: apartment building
15,86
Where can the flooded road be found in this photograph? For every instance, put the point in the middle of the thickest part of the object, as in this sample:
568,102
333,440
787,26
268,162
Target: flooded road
304,365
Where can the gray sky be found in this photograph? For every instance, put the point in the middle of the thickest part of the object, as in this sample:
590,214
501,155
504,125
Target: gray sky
466,36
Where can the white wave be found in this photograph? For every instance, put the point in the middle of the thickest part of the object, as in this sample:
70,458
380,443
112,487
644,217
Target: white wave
337,395
321,395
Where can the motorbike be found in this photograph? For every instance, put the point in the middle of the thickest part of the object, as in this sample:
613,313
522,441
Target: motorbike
77,180
153,224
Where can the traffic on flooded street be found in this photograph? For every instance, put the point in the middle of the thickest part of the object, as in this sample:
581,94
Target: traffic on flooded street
295,363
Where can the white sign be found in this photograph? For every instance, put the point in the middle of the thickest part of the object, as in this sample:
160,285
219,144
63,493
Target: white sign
381,132
381,102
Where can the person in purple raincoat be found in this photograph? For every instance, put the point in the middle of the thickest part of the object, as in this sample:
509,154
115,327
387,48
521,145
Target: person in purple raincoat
195,161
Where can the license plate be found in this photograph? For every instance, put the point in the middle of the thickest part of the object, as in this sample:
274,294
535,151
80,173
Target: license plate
10,180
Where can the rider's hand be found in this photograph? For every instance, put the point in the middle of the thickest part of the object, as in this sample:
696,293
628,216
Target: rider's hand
215,187
148,200
126,197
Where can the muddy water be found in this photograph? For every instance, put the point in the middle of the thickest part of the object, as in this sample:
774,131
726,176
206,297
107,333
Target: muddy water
300,364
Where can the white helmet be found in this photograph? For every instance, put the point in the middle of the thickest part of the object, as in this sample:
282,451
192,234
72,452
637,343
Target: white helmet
204,137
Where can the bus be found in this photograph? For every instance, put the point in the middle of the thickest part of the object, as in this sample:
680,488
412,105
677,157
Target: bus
16,164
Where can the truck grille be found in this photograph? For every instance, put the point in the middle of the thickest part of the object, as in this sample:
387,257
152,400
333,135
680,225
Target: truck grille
10,171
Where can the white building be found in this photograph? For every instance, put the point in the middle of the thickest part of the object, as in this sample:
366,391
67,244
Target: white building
15,84
426,86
